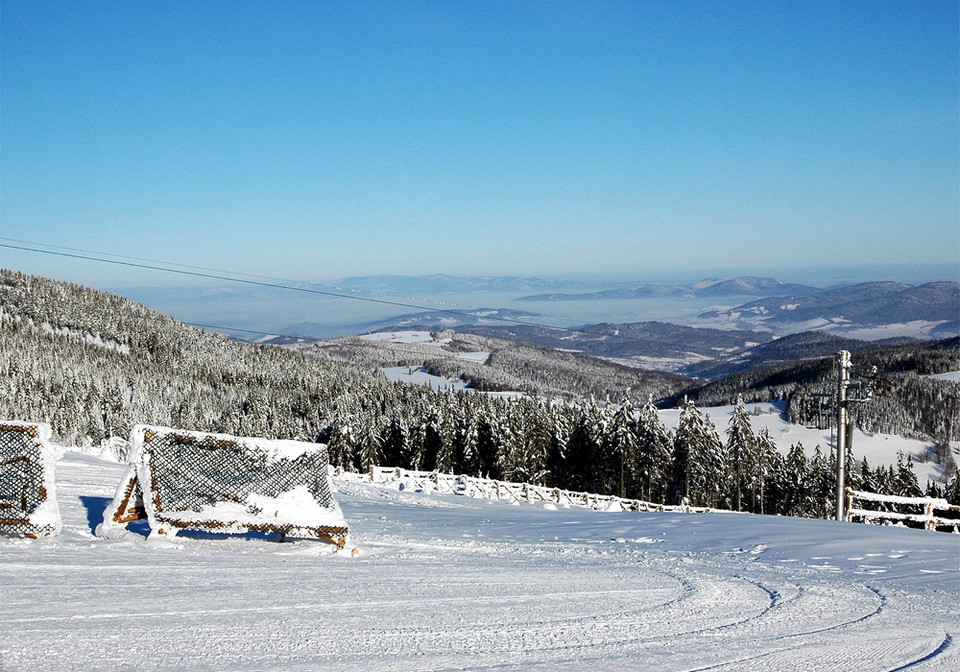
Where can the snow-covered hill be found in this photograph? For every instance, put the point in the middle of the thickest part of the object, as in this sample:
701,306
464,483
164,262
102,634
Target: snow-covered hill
444,582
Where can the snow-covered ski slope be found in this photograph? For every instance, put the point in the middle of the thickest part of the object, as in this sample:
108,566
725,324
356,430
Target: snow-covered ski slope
446,582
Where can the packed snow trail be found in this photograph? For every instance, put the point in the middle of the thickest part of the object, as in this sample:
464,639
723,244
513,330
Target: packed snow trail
445,582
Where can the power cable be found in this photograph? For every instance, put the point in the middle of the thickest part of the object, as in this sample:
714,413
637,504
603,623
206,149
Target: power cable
260,283
143,259
212,274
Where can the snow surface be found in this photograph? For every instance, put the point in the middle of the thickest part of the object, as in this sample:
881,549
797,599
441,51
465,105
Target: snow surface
446,582
403,336
953,376
418,376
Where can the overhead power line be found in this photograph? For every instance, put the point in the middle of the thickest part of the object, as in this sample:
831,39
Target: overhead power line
263,283
288,285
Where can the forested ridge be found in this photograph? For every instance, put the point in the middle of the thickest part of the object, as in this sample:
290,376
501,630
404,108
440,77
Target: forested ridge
904,399
505,366
91,365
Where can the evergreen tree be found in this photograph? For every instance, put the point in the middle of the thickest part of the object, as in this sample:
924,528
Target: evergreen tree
623,447
427,443
698,459
487,448
743,457
952,491
820,495
394,446
370,446
767,459
906,484
654,460
793,480
581,447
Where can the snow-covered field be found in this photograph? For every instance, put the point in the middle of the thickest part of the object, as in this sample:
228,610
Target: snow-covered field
445,582
952,376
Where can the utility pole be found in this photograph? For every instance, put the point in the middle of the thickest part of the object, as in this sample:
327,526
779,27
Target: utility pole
843,382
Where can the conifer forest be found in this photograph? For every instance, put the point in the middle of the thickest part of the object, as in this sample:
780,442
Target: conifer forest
92,365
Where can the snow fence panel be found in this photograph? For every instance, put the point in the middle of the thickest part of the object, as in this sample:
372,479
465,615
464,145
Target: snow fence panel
180,479
28,491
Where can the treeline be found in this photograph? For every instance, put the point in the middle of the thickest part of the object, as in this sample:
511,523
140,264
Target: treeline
91,366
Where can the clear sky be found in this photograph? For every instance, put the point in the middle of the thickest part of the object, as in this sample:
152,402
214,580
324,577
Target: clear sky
317,140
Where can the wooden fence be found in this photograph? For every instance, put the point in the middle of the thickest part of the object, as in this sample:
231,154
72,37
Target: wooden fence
487,488
926,512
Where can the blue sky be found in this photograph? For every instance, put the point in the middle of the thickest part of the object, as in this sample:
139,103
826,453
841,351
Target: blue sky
317,140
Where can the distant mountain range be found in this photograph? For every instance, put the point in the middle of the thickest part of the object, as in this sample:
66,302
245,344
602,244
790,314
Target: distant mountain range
810,323
739,286
860,305
428,285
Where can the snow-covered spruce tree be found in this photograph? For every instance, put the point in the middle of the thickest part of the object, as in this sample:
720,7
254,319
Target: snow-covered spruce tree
582,449
526,443
773,489
621,446
487,447
743,458
559,428
698,464
395,445
791,481
426,442
607,463
764,466
370,446
341,444
653,458
952,490
906,478
820,492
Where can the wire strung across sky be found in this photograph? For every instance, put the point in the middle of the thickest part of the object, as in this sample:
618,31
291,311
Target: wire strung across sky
278,283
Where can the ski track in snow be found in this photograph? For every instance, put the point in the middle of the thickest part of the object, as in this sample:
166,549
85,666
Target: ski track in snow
448,583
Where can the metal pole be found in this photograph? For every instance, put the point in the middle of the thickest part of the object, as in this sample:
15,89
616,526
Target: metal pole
843,381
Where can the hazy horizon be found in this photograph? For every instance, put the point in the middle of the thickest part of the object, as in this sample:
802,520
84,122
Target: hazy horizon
316,141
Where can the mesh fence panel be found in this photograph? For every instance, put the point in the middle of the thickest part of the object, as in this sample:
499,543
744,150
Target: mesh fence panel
218,483
190,474
25,483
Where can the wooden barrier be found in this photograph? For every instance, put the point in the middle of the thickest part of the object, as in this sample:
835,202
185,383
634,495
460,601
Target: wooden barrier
28,495
926,512
178,479
488,488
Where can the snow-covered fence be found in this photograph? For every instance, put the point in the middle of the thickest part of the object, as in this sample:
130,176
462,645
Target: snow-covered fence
179,479
926,512
28,495
488,488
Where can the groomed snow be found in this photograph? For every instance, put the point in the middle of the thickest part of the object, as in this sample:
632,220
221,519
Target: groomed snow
445,582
